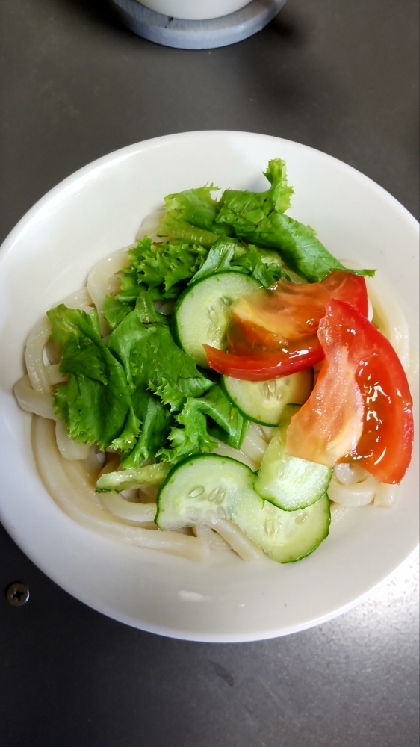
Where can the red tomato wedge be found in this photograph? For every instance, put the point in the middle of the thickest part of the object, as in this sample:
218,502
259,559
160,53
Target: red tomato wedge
263,366
273,332
291,311
360,409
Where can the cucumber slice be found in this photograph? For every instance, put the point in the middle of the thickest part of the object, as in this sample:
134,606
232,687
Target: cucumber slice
202,489
206,488
202,312
285,536
289,482
264,401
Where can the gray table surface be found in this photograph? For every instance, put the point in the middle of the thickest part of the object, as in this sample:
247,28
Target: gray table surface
337,75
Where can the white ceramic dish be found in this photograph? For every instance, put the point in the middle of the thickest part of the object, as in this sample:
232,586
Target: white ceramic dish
195,10
98,210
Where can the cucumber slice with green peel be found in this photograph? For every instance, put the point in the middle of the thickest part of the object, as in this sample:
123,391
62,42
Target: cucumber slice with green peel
264,401
285,536
201,490
289,482
201,314
205,488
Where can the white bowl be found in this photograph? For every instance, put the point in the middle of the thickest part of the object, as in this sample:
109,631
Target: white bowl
195,10
48,254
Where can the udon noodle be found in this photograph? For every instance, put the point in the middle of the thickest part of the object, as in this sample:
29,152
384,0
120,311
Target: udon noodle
70,470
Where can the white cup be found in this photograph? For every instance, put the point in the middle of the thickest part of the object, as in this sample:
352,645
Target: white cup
195,10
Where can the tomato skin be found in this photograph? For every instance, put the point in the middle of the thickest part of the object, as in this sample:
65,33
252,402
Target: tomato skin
360,410
352,290
267,318
264,366
288,343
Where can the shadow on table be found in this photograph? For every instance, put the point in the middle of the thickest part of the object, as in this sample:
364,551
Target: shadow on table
289,28
99,10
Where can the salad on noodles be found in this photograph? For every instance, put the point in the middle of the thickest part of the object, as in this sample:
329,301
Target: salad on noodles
224,384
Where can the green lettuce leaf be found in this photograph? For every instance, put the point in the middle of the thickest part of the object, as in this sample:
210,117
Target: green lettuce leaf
125,442
258,218
220,409
151,359
115,310
298,245
154,419
191,438
174,229
163,266
242,210
151,474
130,287
202,420
218,259
228,254
281,191
265,270
195,206
146,311
95,400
